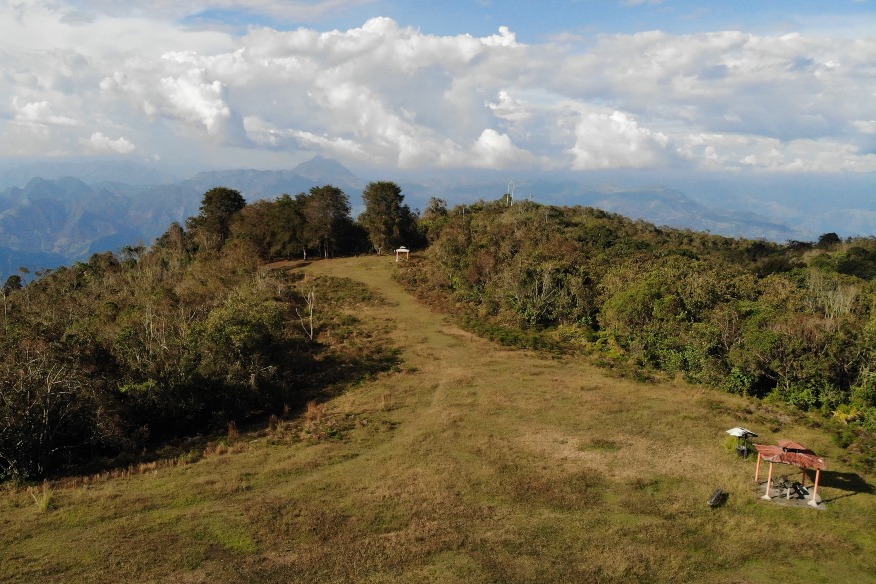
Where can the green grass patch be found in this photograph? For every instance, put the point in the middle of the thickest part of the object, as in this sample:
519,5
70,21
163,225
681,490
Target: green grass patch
470,462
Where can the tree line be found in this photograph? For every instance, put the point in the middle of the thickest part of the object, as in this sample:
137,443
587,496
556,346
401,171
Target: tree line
319,223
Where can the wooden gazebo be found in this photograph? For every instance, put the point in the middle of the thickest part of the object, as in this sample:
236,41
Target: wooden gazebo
793,453
402,251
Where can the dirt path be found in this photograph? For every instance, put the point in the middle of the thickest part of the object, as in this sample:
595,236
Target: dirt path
438,383
432,346
499,459
413,319
461,389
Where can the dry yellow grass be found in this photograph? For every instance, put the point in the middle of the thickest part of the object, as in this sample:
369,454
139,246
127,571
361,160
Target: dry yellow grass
472,463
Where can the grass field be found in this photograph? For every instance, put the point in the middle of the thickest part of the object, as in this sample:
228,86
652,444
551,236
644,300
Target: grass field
467,463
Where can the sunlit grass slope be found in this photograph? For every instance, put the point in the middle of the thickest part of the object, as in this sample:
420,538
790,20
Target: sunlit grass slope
468,463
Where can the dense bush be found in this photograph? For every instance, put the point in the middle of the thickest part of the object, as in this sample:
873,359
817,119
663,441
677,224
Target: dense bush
109,356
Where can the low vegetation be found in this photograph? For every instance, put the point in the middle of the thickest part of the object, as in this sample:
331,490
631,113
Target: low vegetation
465,462
106,358
790,323
194,414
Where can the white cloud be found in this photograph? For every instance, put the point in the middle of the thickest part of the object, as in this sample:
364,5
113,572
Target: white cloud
268,135
101,144
195,100
39,113
505,38
741,152
45,26
386,94
495,150
615,140
729,80
865,126
510,108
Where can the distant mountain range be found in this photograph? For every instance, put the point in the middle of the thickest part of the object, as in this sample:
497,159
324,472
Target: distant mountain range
52,220
658,204
88,171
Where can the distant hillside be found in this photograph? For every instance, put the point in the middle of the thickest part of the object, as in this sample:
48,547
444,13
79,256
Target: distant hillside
665,206
11,260
266,184
51,222
88,171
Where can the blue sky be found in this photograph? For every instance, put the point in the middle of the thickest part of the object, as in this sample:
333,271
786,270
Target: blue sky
541,21
729,87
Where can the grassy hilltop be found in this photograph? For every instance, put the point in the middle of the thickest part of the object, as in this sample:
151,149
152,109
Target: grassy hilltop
465,462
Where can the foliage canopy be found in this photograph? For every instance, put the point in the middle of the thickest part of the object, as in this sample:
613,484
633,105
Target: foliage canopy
106,357
387,219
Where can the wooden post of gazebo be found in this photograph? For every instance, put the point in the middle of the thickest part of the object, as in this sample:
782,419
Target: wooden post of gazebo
757,468
813,500
769,482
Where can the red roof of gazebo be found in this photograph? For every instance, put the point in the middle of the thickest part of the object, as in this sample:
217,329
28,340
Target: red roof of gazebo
788,452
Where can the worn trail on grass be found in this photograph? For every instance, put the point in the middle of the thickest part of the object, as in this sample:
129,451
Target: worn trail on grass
499,456
452,375
507,394
506,465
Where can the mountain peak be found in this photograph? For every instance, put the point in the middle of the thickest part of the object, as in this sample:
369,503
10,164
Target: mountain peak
323,169
66,187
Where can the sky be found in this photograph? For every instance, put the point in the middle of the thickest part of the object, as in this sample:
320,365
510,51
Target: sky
766,86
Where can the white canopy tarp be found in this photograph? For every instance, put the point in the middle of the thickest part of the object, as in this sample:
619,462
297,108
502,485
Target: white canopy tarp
740,432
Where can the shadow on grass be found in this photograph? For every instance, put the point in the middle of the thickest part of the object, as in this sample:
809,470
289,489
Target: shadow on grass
331,374
287,264
324,375
850,482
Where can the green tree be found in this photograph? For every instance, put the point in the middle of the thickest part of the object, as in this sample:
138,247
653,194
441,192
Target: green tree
326,212
828,241
276,228
388,221
173,239
289,219
13,282
217,208
434,218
